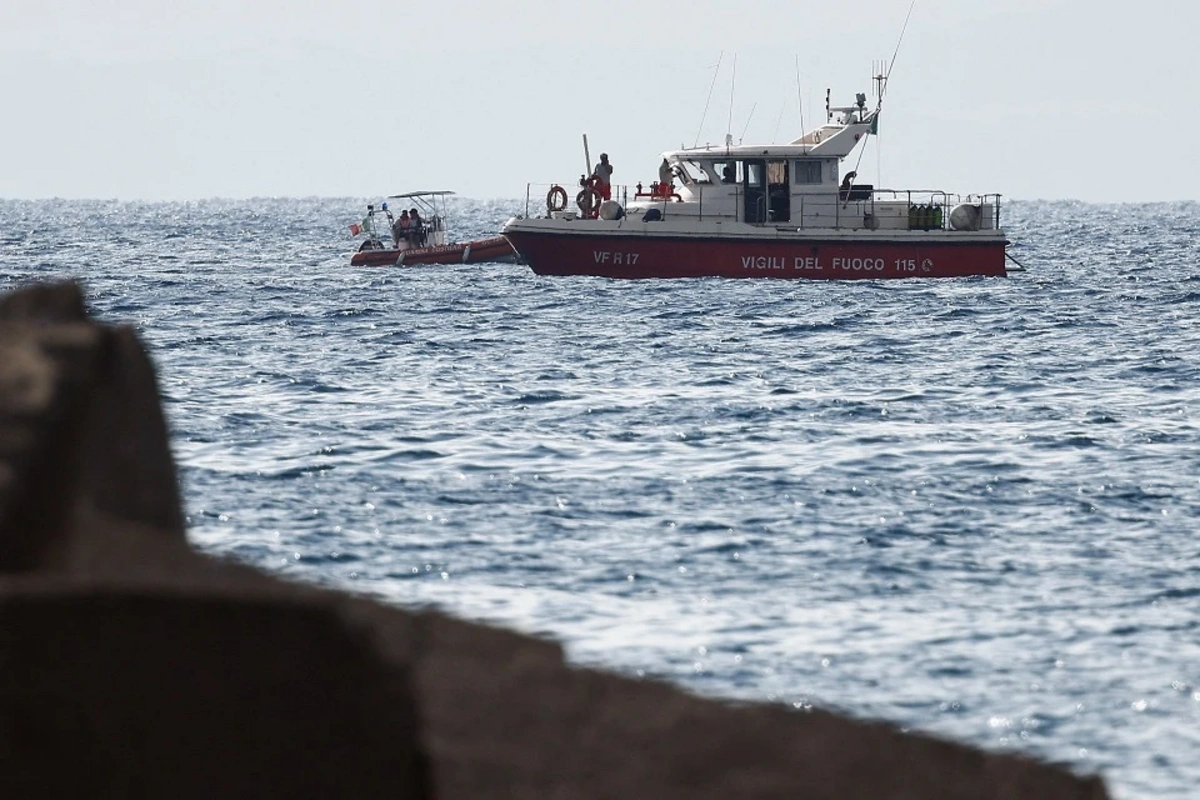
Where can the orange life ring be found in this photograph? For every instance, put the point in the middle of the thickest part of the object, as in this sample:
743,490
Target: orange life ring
588,201
556,199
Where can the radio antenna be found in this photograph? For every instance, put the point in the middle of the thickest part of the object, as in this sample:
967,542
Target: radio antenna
799,99
882,74
743,136
892,63
716,72
732,86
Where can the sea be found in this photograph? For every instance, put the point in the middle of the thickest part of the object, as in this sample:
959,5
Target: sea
968,507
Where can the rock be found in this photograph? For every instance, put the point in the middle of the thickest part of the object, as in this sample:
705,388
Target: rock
45,303
125,464
106,692
500,710
81,429
133,666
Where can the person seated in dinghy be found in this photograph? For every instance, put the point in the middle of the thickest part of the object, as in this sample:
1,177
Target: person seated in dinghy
401,228
417,233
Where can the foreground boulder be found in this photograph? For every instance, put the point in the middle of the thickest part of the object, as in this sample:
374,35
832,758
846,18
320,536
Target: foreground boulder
109,692
133,666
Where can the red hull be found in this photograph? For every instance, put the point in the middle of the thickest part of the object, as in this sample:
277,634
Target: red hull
494,249
614,256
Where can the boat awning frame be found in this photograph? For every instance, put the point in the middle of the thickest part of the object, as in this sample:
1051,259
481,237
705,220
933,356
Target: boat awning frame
437,193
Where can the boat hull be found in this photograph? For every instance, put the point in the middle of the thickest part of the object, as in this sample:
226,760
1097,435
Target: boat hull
494,249
773,254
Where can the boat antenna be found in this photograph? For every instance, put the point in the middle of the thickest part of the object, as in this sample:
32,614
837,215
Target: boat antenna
862,100
882,74
878,75
892,63
881,79
716,72
748,122
732,85
799,99
779,122
878,161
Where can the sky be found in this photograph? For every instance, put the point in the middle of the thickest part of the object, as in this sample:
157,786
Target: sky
1033,99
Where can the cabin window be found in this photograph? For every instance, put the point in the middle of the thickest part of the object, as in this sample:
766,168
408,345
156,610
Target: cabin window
726,171
807,172
754,174
680,170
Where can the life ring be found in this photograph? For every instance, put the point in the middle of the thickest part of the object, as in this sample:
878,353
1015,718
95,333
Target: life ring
556,199
588,201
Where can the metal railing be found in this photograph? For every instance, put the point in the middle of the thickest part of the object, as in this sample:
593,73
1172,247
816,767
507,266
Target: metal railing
620,193
926,209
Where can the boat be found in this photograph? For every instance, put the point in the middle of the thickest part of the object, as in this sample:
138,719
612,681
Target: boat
776,211
426,243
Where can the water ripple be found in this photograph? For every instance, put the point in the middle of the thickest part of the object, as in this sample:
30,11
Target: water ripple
964,506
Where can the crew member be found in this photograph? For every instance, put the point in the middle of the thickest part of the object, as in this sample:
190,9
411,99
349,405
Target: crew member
602,176
665,178
400,228
417,232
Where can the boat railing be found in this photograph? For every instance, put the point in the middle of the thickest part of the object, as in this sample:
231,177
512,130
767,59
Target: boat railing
571,191
905,209
855,208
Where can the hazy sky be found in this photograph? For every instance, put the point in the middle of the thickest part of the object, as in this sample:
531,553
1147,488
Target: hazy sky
1086,99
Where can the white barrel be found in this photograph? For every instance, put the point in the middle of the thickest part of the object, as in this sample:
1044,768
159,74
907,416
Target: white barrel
966,217
611,209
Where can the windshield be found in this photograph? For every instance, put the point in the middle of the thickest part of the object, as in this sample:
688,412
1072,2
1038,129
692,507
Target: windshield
717,171
680,169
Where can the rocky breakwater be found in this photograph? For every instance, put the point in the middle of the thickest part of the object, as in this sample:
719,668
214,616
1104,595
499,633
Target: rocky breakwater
134,666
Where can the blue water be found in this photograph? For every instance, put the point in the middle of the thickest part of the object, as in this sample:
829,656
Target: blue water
965,506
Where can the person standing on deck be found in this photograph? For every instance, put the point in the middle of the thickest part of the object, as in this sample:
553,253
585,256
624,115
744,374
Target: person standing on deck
603,177
665,178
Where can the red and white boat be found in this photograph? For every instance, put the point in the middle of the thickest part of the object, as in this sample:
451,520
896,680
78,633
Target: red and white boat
426,243
777,211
